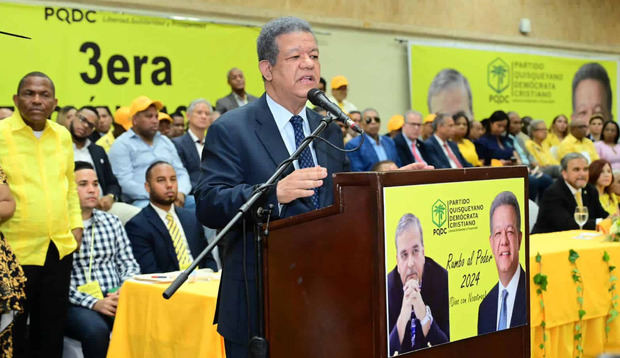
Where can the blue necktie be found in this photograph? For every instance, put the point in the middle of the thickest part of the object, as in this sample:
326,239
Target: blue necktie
412,329
502,313
305,159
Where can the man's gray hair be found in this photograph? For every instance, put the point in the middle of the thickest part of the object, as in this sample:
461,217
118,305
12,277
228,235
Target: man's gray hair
570,156
194,103
449,78
439,119
413,112
266,45
506,198
533,124
368,110
593,71
408,222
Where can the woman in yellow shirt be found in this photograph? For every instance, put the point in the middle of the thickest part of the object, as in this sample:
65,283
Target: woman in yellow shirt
461,132
602,178
557,131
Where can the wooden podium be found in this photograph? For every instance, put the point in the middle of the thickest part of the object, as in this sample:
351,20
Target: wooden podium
325,275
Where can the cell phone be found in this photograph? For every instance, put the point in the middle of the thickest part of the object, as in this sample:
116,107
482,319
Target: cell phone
114,289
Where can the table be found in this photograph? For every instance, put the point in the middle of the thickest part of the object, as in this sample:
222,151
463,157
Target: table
560,299
147,325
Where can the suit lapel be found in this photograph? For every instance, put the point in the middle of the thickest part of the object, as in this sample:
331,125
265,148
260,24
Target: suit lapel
440,154
158,224
268,133
518,312
320,149
191,147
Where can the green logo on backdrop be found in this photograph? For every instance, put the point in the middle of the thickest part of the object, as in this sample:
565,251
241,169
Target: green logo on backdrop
439,213
498,75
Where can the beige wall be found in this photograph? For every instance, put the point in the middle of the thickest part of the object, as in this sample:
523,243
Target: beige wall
357,37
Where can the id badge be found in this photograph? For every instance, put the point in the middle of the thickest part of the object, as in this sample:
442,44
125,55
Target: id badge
91,288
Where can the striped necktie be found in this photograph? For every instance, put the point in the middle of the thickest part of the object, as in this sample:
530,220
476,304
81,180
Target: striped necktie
180,248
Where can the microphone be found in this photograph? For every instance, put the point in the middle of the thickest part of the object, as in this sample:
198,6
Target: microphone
318,98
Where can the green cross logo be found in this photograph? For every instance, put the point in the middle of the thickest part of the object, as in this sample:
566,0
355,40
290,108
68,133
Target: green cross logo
439,213
498,75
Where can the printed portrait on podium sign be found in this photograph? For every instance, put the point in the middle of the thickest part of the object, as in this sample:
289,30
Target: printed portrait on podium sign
455,261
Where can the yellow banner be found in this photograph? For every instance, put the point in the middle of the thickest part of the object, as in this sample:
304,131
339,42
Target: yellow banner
456,235
106,58
536,85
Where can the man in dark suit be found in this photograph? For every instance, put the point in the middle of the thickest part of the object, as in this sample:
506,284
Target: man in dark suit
442,152
243,149
409,148
163,237
189,146
504,306
375,148
418,307
557,208
237,97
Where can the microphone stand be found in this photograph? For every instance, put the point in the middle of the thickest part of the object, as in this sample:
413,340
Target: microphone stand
258,344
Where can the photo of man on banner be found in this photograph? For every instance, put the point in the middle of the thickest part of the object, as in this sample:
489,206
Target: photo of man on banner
418,308
504,305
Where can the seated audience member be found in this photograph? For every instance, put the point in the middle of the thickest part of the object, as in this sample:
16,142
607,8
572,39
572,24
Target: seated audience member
615,186
442,152
516,125
557,208
66,115
526,158
340,89
322,112
165,124
356,116
595,127
476,130
164,237
461,133
408,145
133,152
84,150
576,141
494,144
103,125
608,147
375,147
601,177
527,120
541,153
238,96
100,266
178,125
384,166
395,125
189,146
427,126
5,112
122,123
558,130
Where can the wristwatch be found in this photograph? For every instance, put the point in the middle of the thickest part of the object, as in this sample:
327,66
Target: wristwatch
427,318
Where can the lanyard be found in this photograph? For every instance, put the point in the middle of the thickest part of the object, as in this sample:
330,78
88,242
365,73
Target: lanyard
92,249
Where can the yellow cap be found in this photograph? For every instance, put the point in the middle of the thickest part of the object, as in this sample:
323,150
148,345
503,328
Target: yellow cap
164,117
339,81
429,118
141,103
121,116
395,123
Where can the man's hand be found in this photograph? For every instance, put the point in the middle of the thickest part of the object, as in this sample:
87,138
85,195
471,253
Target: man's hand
412,301
416,166
105,202
180,202
300,184
107,306
77,234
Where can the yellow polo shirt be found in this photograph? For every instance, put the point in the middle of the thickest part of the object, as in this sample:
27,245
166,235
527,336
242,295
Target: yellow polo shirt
106,140
40,176
541,153
570,144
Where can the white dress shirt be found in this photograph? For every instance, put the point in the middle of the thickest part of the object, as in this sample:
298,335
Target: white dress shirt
510,299
197,143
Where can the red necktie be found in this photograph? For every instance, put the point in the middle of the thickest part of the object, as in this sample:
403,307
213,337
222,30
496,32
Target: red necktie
418,159
452,156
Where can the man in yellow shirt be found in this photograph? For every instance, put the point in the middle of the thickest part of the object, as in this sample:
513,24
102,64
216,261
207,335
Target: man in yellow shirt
576,141
46,228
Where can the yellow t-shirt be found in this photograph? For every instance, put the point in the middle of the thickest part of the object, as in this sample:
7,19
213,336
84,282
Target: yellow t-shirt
609,203
570,144
541,153
468,151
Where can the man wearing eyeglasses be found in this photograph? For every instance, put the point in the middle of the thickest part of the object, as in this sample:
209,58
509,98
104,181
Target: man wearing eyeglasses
375,148
409,148
577,142
86,151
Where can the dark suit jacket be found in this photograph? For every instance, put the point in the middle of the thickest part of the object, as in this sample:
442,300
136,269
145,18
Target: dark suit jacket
233,164
189,156
363,159
435,295
557,209
487,311
105,176
436,156
152,245
404,152
229,102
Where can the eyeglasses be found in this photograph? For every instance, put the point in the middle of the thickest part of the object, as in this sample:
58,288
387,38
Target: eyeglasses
541,129
370,119
86,122
414,124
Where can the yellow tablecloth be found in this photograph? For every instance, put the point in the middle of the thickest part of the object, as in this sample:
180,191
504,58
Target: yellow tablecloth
147,325
560,298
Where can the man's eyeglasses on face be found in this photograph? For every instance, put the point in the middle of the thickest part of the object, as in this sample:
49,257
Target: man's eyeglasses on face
370,119
414,124
85,121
